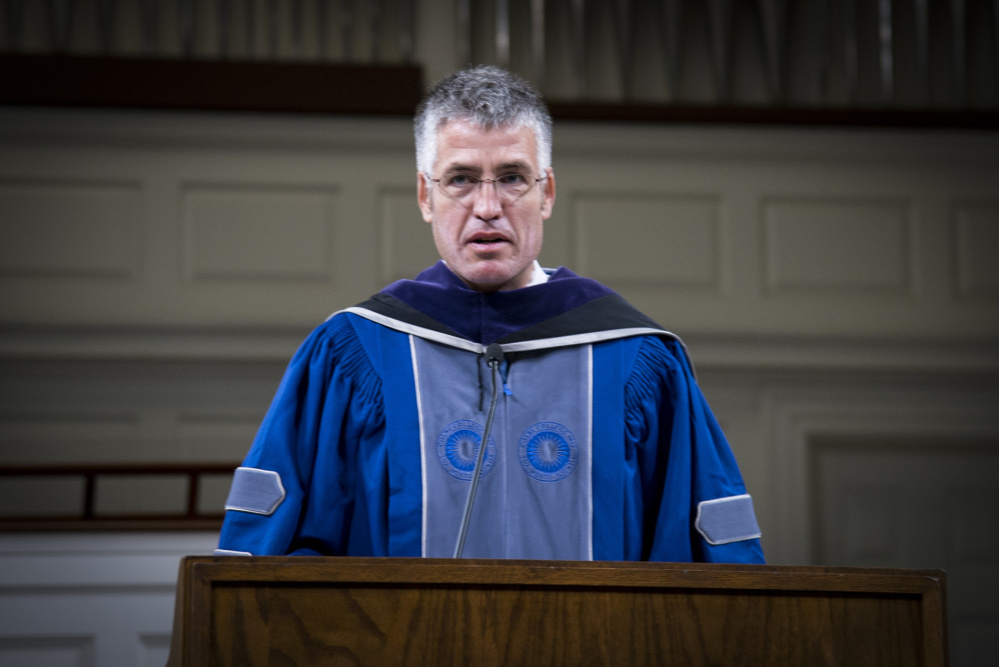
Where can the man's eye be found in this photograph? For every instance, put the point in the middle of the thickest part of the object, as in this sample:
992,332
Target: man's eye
512,179
460,180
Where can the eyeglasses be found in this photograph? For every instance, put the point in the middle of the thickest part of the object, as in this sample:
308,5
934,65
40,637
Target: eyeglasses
465,187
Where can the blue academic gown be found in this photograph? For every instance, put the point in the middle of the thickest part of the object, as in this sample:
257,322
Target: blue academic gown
602,447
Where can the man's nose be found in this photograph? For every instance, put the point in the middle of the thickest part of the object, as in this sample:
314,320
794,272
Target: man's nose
487,200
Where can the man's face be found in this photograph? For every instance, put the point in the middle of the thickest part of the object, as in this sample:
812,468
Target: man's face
489,242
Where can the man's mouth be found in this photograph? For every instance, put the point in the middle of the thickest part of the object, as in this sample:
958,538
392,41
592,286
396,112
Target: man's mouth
487,242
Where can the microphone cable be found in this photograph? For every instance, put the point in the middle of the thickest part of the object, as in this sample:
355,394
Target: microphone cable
494,357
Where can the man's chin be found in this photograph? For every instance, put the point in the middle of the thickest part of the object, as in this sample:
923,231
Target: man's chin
493,281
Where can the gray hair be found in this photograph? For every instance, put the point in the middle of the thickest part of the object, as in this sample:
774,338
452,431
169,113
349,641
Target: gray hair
486,96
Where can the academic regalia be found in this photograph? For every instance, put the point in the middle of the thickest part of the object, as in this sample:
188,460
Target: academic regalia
602,446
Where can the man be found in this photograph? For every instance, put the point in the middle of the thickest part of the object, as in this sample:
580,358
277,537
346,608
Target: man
598,442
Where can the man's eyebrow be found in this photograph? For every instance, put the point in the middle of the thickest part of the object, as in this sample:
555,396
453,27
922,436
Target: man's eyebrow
464,168
517,165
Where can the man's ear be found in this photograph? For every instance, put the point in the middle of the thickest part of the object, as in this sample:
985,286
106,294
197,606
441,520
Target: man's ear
548,203
423,197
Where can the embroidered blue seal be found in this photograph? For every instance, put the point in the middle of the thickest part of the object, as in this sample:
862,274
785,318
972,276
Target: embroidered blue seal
458,447
548,452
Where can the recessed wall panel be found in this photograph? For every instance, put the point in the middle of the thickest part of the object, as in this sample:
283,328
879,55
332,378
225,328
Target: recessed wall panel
213,490
974,639
74,230
216,437
407,243
977,232
972,517
41,496
260,233
906,501
155,650
649,240
63,437
869,515
51,651
901,505
130,495
852,245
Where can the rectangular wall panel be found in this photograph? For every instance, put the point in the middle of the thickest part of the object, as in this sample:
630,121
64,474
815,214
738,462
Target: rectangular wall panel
66,436
871,511
117,495
155,650
51,651
212,493
893,501
38,496
216,438
649,240
847,245
407,242
976,229
974,641
70,229
917,504
257,233
220,437
974,537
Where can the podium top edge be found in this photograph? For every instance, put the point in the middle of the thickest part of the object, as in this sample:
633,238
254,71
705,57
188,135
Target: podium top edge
313,570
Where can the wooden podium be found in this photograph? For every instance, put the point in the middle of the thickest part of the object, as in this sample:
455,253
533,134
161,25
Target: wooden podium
381,611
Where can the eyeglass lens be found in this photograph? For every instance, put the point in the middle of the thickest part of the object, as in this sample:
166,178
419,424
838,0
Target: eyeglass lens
464,186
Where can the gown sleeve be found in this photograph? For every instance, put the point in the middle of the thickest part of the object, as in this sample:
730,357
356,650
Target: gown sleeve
694,503
296,492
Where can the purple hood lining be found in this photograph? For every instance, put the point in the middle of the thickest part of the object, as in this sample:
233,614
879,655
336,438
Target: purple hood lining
485,317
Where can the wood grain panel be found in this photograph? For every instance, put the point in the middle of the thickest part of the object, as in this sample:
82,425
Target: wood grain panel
261,611
523,627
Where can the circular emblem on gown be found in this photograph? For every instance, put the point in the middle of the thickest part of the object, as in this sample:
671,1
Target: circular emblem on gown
548,452
458,447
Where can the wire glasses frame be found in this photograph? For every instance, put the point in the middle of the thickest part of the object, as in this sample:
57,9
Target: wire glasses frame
465,187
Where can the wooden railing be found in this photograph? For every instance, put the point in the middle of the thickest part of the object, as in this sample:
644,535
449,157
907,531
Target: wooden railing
25,516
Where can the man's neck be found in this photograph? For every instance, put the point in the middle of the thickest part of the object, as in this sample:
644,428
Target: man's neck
537,277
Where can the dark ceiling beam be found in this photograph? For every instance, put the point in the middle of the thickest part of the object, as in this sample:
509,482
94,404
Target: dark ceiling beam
150,83
395,90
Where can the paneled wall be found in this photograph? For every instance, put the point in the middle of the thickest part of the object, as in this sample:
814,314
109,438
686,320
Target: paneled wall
839,291
188,221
